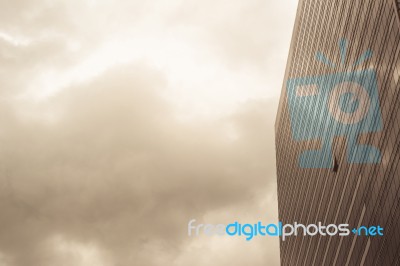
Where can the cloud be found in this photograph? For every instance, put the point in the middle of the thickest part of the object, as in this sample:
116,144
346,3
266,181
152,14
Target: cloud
97,166
115,168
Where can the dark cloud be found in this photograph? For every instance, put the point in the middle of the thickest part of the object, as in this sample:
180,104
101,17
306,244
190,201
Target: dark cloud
102,171
116,168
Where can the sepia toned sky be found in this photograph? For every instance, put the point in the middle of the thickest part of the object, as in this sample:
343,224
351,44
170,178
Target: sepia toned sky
120,121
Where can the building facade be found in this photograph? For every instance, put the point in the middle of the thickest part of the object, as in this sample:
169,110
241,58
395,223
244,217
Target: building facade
338,132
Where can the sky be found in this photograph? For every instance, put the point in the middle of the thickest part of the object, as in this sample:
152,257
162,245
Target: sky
123,120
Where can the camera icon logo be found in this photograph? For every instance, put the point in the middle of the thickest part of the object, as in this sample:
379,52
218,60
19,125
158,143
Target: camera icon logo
340,104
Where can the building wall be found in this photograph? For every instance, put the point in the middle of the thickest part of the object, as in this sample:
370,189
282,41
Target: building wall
366,194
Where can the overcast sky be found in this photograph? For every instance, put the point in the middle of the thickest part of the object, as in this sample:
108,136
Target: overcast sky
120,121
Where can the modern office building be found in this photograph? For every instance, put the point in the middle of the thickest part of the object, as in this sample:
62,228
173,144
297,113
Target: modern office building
338,132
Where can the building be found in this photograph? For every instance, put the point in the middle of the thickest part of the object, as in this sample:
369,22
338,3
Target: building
337,131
